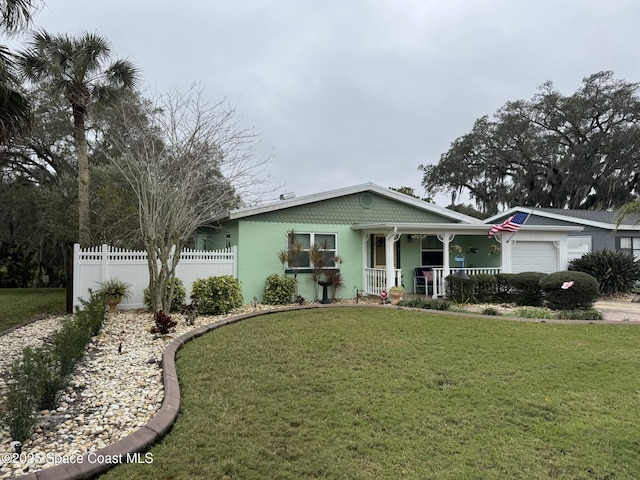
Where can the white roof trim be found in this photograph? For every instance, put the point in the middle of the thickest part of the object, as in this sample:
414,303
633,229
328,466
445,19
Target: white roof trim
456,228
563,218
386,192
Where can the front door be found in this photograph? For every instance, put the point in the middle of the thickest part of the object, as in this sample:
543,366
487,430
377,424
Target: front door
380,254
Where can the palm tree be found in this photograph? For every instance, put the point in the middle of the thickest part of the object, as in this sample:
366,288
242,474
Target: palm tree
78,68
14,108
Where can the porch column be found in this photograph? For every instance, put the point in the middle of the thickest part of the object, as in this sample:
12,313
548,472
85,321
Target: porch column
445,238
365,283
391,239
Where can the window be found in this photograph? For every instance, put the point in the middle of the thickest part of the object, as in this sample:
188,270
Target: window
431,253
327,244
631,245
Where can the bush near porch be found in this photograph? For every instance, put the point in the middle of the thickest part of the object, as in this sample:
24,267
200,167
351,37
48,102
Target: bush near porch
527,289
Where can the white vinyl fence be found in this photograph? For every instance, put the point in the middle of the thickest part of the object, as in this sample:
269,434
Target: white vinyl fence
98,264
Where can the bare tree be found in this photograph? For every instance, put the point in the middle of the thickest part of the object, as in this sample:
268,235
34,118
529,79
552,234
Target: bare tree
187,162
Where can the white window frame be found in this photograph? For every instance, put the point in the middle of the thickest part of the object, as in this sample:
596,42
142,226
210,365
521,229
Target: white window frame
312,240
633,246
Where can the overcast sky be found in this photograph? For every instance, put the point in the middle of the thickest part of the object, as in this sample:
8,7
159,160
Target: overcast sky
344,92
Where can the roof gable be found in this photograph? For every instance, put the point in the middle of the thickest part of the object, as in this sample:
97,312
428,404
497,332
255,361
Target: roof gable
358,204
351,209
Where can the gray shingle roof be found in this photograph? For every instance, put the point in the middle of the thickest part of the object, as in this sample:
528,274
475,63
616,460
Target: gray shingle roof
595,216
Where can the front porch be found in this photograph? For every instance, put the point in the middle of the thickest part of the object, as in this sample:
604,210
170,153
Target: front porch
375,279
391,253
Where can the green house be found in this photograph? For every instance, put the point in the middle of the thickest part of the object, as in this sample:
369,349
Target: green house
384,238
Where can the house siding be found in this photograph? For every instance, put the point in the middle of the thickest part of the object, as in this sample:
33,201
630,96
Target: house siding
214,238
260,242
352,209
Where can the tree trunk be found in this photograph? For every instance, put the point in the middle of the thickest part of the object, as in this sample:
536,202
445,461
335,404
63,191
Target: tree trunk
84,226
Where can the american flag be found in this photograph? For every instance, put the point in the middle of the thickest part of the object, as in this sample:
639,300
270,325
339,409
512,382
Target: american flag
511,224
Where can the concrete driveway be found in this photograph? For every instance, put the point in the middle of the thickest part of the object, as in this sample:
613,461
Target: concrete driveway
619,311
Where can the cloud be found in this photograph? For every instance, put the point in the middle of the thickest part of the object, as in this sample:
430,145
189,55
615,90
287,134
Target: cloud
364,90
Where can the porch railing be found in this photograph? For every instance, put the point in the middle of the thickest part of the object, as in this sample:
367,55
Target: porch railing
375,280
438,277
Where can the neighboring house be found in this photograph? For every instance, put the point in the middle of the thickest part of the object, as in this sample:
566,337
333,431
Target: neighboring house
598,229
383,236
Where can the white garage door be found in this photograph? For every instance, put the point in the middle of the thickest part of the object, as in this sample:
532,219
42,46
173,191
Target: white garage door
534,257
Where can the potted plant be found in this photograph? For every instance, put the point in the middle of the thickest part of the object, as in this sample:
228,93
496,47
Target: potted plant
113,291
396,294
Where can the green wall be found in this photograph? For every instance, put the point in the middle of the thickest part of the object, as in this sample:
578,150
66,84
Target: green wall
478,258
260,242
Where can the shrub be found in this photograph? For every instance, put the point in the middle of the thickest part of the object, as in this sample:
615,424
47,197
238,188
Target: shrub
486,288
461,290
438,304
21,401
590,314
179,296
490,311
34,383
217,295
581,295
413,303
616,272
68,344
41,373
92,313
164,323
503,287
279,290
47,376
532,312
526,288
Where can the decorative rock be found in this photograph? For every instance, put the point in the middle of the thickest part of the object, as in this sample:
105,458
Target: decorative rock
110,394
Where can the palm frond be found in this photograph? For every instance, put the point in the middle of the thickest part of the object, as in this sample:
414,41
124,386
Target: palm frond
628,209
15,113
122,73
15,14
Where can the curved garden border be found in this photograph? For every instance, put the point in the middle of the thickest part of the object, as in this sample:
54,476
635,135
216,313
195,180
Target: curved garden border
163,420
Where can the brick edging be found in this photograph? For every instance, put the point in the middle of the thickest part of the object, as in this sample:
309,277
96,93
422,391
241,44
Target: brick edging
164,418
160,423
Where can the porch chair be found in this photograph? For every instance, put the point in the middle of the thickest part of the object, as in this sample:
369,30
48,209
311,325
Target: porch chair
423,279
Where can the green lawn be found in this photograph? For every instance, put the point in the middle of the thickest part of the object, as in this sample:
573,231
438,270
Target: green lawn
21,305
362,393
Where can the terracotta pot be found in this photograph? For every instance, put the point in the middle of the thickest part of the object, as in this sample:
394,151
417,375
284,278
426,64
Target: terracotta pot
396,295
113,302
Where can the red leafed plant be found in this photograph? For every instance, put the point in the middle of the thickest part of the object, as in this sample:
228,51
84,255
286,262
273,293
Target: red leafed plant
164,323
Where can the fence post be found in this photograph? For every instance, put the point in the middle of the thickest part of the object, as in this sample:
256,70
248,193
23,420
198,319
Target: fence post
104,268
77,281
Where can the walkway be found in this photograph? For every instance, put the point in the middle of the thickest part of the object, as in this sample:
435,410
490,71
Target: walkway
619,311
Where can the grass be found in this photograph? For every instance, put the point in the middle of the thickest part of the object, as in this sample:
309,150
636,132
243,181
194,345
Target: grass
359,393
21,305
